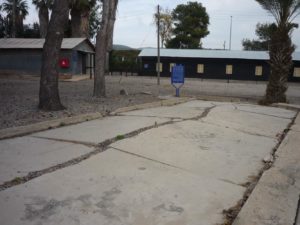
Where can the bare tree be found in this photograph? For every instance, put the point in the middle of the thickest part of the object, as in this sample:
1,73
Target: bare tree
104,44
49,94
165,25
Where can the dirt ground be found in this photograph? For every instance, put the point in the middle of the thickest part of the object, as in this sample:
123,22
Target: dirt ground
19,95
19,100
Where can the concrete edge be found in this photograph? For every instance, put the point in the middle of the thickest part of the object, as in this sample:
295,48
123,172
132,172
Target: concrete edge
216,98
168,102
50,124
287,106
46,125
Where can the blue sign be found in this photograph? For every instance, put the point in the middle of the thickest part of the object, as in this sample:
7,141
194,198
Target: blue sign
178,74
177,78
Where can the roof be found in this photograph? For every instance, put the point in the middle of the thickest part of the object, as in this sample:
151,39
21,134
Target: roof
28,43
212,54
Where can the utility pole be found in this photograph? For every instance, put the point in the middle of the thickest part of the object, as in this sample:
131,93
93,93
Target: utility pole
13,33
230,33
158,45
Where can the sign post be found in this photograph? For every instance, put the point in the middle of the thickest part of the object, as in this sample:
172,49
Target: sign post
177,78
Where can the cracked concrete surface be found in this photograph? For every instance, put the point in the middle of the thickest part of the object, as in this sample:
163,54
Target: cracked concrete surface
190,165
20,156
96,131
275,200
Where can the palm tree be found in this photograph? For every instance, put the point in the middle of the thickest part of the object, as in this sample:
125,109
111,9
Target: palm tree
43,9
281,47
80,13
17,16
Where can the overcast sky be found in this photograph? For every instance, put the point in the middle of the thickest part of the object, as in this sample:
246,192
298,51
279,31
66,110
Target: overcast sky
134,26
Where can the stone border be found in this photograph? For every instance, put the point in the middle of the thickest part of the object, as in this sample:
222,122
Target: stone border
46,125
167,102
287,106
216,98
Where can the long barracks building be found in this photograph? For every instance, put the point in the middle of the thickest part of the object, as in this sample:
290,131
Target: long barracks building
214,64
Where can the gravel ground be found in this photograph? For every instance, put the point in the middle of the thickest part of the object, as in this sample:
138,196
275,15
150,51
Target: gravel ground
19,95
19,100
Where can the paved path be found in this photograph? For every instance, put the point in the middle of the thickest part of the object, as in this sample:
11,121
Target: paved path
276,198
178,165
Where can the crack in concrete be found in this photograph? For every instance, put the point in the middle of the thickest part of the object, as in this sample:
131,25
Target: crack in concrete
231,182
159,117
101,147
263,114
239,130
88,144
297,218
149,159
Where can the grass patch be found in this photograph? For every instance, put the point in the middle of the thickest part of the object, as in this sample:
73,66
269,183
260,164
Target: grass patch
17,180
62,124
120,137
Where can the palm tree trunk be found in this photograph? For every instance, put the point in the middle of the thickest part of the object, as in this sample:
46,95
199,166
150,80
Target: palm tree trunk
103,43
281,63
44,20
49,94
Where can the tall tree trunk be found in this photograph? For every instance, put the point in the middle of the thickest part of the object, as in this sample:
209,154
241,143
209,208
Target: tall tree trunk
76,22
44,20
111,24
281,63
13,31
103,43
49,94
85,26
80,22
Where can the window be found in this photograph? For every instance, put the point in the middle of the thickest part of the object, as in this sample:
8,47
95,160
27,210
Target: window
146,66
229,69
200,68
258,71
171,66
297,72
160,67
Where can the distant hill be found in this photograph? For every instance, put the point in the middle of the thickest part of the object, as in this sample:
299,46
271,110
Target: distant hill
122,47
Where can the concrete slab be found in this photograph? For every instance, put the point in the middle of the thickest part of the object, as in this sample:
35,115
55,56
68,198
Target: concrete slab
97,131
203,149
276,197
288,158
19,156
253,123
273,201
115,188
268,111
185,173
177,111
296,126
